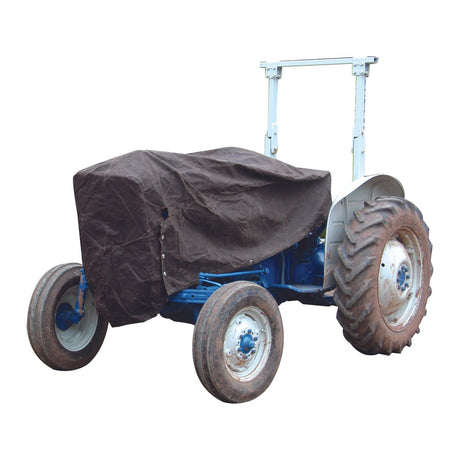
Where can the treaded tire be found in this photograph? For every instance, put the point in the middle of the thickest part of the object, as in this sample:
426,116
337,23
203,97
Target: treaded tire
234,313
371,323
58,283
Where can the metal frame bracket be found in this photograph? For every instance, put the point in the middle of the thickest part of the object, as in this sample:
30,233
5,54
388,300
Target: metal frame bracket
273,73
360,69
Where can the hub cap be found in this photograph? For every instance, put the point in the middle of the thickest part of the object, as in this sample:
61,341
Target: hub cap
247,343
400,278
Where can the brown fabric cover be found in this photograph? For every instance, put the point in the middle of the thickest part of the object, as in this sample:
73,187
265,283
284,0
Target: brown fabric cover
151,221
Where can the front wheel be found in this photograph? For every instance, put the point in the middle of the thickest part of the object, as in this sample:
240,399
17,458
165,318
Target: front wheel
383,276
63,348
238,342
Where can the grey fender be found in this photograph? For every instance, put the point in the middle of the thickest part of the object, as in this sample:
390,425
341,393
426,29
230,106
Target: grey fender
341,213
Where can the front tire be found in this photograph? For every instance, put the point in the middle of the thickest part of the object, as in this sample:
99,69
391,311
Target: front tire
383,276
75,346
238,342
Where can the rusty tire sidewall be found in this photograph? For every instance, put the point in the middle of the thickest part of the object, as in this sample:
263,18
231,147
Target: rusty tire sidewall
239,296
54,354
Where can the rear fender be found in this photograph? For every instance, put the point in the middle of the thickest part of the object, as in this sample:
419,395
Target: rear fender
341,213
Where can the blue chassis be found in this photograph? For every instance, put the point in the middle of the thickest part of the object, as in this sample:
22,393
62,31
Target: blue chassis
296,273
293,274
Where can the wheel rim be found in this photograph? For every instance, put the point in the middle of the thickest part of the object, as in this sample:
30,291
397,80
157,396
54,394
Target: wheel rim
79,335
247,343
400,278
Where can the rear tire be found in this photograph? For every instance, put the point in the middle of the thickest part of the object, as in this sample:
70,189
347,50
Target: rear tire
238,342
63,349
383,276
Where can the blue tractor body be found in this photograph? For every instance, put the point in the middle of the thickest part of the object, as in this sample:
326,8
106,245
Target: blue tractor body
296,273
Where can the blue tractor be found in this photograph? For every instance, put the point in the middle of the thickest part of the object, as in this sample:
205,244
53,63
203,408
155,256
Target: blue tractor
371,258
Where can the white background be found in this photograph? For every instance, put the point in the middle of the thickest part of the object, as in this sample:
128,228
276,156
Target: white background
84,81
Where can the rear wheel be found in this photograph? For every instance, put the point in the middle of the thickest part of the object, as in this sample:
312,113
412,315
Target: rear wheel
383,276
63,346
238,342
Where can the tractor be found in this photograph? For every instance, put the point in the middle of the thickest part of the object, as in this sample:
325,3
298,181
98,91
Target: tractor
367,252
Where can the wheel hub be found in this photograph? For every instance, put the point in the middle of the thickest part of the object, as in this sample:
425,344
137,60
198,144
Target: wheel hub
399,278
66,316
247,343
75,333
394,277
241,348
403,278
